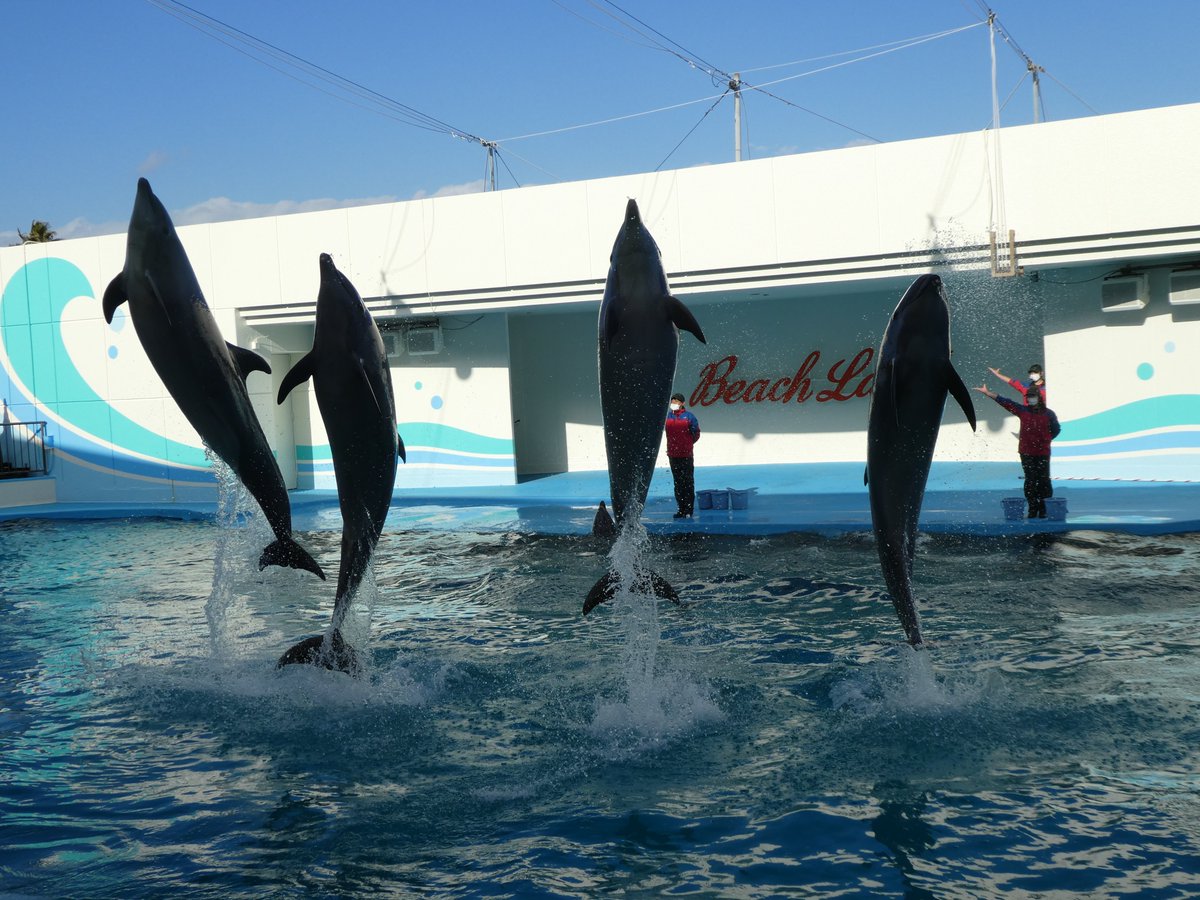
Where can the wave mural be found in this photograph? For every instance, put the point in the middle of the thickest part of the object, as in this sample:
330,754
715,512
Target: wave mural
43,381
1151,425
427,445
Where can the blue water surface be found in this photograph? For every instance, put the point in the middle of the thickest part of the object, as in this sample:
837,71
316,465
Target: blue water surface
770,738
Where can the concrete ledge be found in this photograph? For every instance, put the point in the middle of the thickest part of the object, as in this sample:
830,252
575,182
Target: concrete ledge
32,491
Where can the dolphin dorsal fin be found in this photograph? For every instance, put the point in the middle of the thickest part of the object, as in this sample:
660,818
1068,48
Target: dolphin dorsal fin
301,371
683,318
114,295
159,297
247,361
960,393
400,448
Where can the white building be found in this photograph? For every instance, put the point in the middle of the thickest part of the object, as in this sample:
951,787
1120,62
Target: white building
791,264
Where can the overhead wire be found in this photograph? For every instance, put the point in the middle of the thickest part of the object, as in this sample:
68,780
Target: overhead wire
689,134
256,48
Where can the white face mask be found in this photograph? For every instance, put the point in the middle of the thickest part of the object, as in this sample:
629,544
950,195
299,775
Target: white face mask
676,407
1035,376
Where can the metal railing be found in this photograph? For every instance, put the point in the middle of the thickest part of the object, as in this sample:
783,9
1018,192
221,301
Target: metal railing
23,449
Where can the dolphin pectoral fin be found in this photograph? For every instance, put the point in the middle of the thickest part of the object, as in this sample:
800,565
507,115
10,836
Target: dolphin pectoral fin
602,591
327,651
603,525
866,475
960,393
663,590
683,318
286,552
400,448
114,295
247,361
159,297
300,372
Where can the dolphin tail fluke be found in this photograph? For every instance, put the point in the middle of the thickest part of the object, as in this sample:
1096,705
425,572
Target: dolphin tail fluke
606,588
603,525
663,590
603,591
326,651
960,393
286,552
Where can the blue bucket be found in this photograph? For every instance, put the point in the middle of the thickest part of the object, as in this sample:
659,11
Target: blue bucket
739,499
1014,508
704,499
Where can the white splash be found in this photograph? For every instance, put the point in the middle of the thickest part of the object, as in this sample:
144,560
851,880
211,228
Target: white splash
656,705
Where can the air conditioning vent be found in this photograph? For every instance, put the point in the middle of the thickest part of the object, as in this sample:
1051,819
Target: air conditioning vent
423,340
1124,294
391,343
1184,289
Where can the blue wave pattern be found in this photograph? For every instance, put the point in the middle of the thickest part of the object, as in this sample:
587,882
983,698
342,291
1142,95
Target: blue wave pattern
1116,430
97,436
428,444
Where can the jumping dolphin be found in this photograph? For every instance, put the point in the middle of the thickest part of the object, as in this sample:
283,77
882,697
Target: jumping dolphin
205,375
912,376
349,369
638,333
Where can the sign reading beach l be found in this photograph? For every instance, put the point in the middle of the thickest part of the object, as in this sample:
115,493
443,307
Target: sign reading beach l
847,379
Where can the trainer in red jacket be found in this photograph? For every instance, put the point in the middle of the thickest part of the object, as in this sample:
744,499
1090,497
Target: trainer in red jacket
683,430
1039,426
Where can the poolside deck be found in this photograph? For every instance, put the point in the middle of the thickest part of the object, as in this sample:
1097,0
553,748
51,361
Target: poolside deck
960,498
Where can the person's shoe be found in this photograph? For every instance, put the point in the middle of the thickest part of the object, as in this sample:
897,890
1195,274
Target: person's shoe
678,515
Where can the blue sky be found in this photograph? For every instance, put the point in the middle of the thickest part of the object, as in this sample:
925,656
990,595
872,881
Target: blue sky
107,91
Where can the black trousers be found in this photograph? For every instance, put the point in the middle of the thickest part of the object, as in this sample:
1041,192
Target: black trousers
683,470
1037,483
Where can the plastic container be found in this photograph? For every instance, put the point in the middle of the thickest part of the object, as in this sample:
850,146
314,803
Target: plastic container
1014,508
739,499
1056,509
720,499
704,499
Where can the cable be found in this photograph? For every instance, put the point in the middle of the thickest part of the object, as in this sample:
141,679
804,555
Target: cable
215,28
918,39
689,134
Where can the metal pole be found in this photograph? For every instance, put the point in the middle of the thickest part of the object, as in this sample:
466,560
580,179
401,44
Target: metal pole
1037,92
490,183
736,86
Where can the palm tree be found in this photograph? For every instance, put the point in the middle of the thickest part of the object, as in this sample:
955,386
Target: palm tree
39,232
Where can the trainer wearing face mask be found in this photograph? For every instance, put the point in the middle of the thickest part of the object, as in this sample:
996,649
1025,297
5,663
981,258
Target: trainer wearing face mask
1037,379
1039,426
683,430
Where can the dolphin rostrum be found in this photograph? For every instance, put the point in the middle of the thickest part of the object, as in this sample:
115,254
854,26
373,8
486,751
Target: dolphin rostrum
912,376
205,375
353,384
638,334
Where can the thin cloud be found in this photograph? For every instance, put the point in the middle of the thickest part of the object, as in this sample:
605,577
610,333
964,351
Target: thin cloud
452,190
155,160
223,209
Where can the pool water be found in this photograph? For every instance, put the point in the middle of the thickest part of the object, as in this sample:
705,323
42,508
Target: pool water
772,737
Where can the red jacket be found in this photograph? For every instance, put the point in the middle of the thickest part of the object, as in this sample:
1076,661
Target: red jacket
683,430
1038,428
